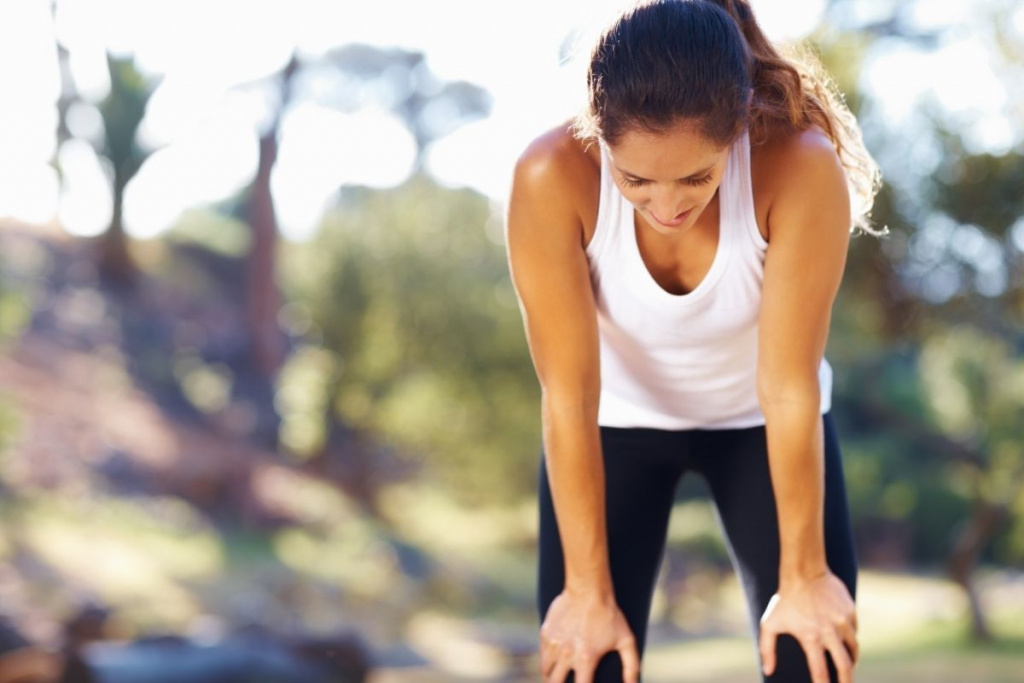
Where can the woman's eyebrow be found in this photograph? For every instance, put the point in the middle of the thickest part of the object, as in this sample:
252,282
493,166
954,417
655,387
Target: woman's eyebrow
693,175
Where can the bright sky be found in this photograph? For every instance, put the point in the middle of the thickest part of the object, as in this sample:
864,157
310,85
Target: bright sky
206,134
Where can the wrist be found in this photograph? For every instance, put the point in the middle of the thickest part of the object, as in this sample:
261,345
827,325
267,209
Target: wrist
591,590
797,582
794,576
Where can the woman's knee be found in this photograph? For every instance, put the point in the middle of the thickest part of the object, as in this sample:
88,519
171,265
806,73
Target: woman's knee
609,670
791,663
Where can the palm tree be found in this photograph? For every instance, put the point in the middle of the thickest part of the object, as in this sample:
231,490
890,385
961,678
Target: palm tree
122,111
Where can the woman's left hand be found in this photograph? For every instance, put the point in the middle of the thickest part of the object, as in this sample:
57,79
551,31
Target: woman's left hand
821,615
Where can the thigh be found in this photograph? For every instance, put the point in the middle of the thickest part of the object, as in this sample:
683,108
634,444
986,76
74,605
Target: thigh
739,477
640,481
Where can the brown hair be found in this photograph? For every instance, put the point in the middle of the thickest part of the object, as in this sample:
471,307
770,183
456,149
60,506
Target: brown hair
662,61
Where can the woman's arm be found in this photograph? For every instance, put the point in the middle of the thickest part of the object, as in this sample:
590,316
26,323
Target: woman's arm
552,280
809,226
551,276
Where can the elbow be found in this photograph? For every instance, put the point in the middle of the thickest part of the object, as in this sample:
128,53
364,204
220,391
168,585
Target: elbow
773,392
570,402
573,404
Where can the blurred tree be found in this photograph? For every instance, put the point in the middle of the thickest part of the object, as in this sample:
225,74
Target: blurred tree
68,92
410,291
122,111
429,107
263,299
402,82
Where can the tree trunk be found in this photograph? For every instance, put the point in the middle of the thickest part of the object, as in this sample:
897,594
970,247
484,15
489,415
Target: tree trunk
970,541
262,297
115,261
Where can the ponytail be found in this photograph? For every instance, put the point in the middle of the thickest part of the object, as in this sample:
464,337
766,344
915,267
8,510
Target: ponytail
797,92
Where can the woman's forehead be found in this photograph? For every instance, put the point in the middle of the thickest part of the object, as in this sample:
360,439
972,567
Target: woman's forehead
674,154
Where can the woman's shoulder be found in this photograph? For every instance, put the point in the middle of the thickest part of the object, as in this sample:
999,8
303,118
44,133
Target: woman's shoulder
558,157
787,155
784,149
556,168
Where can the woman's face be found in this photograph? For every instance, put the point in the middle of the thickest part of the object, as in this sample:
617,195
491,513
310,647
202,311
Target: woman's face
668,177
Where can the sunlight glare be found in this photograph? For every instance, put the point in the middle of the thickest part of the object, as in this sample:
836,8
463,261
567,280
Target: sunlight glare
786,21
223,147
28,191
511,49
84,207
322,149
28,90
885,73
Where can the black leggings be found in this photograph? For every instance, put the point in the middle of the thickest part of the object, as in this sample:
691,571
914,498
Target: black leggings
642,468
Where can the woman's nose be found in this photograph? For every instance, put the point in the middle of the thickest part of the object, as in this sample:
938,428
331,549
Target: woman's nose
666,206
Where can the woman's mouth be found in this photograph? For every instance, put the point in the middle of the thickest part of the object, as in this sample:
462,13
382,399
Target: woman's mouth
678,220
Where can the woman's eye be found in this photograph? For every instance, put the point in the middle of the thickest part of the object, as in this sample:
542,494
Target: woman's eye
697,181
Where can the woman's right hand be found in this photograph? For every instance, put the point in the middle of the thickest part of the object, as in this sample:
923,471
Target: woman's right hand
578,630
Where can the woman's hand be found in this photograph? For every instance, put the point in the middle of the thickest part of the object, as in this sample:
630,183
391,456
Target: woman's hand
577,631
821,615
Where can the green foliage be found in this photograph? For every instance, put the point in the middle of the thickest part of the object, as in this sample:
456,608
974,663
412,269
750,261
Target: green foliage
983,189
122,111
974,383
212,230
15,315
694,531
304,399
21,266
10,425
892,483
410,291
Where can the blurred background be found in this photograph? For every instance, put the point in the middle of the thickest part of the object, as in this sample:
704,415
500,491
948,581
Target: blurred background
266,403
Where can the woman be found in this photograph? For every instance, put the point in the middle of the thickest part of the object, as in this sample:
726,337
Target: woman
676,250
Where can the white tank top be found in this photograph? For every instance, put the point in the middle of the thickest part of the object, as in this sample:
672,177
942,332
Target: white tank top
682,361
